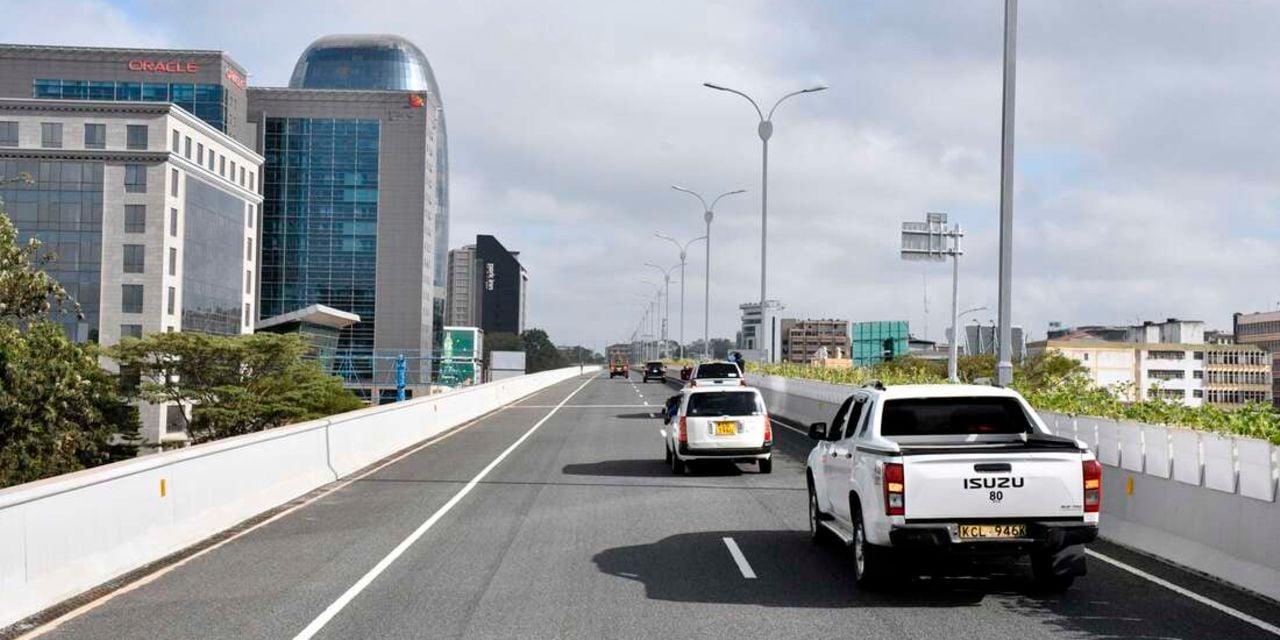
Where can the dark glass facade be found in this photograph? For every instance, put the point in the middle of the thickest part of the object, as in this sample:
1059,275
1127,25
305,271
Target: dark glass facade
501,280
213,260
63,209
363,62
205,101
319,223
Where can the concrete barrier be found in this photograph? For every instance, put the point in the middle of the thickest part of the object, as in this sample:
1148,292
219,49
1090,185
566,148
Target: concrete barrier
65,535
1202,500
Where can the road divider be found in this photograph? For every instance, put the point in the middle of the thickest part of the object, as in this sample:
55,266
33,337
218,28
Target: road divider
65,535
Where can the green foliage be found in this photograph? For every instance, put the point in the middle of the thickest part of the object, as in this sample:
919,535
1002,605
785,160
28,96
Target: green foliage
1053,382
233,385
539,353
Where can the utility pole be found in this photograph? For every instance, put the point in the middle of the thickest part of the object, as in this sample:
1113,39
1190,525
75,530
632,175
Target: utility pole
1004,364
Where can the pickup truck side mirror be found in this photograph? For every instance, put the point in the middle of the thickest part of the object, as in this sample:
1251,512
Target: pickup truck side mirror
818,431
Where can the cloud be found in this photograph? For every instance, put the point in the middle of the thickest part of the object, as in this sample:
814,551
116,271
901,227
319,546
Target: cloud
1144,181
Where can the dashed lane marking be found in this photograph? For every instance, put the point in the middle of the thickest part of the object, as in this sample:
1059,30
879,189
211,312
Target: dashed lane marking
743,565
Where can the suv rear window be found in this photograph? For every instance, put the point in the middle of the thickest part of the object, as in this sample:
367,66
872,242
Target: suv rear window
717,370
725,403
954,416
654,366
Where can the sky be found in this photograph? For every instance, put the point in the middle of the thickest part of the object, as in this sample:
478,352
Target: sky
1145,164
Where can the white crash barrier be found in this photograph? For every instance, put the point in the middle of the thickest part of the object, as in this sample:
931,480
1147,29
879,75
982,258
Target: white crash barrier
64,535
1202,500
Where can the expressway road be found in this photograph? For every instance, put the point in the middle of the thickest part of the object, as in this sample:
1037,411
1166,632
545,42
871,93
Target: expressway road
582,532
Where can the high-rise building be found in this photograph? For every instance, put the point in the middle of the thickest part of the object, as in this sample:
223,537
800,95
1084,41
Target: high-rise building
801,339
355,211
498,286
462,306
135,184
760,337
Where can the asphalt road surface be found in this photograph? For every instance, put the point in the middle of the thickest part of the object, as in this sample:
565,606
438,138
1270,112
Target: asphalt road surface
581,531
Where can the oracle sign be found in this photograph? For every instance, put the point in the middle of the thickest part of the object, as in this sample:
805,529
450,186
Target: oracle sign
235,78
163,66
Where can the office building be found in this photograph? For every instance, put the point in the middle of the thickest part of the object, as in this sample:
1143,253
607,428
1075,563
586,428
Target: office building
151,210
1263,331
502,284
355,210
802,339
879,341
462,301
760,337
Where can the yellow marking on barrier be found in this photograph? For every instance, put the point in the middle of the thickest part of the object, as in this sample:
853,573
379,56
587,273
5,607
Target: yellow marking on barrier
1128,486
162,488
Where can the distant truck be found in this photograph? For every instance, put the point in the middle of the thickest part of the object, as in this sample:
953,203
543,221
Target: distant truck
619,364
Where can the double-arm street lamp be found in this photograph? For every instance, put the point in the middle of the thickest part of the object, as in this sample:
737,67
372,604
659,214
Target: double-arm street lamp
666,294
765,130
684,251
708,213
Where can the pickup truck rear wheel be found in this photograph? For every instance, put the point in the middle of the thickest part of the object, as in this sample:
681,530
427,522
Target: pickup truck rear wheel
870,562
667,449
1056,571
817,533
765,465
677,465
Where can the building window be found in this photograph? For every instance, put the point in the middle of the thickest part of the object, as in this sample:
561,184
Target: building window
248,249
249,217
213,156
252,186
200,153
232,177
222,166
1197,393
134,258
247,318
136,136
186,147
130,331
242,176
248,282
173,261
51,135
173,182
135,218
95,136
131,298
8,133
173,222
135,178
177,140
173,296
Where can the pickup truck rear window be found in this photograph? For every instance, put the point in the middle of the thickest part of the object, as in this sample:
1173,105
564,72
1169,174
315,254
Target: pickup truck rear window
718,370
725,403
953,416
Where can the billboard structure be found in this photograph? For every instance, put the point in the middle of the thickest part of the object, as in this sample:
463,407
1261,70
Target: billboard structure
461,356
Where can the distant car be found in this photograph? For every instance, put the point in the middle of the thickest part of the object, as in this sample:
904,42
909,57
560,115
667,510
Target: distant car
619,368
716,373
718,423
655,370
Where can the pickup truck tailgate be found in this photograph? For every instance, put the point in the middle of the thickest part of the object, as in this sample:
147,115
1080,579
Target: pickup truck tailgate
960,486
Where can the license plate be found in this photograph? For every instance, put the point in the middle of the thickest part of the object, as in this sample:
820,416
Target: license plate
992,531
726,428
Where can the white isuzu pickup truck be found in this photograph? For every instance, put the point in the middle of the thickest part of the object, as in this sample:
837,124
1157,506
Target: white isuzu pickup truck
906,474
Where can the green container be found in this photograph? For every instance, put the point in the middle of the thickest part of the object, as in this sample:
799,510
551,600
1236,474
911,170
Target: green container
876,341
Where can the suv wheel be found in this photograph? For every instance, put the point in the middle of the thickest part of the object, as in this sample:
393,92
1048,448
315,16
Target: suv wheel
667,450
765,465
678,466
870,562
817,532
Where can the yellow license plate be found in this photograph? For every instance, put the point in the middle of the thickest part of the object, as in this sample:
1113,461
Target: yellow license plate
726,428
992,531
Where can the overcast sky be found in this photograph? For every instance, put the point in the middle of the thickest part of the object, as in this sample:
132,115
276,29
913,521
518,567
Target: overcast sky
1147,137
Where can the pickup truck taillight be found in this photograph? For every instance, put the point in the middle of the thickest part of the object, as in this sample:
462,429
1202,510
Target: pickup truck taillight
1092,486
768,430
683,434
895,490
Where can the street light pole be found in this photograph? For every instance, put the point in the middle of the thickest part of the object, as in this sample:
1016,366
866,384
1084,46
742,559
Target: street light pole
666,314
1004,364
708,215
684,251
765,130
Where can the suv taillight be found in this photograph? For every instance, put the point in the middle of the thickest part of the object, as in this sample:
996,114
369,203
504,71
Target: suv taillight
1092,486
895,490
768,430
683,434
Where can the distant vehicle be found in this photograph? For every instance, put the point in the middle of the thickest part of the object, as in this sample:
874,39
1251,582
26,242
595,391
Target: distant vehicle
716,373
656,370
961,470
619,367
718,423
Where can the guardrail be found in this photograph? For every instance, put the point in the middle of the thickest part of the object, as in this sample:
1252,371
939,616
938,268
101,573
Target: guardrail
1201,500
65,535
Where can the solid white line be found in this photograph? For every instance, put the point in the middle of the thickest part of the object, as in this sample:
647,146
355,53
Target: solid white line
577,406
338,605
1235,613
743,565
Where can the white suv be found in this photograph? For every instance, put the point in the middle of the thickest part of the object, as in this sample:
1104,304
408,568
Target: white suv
716,374
718,423
951,470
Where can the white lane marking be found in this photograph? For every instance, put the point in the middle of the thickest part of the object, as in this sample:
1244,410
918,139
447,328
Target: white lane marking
578,406
1235,613
338,605
743,565
158,573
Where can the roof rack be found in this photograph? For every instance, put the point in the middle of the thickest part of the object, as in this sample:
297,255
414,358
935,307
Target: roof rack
873,384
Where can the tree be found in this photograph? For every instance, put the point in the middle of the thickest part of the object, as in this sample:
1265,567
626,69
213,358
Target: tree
539,353
59,410
502,342
720,348
233,385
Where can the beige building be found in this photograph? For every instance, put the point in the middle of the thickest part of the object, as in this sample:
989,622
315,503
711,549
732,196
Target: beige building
1263,330
801,339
